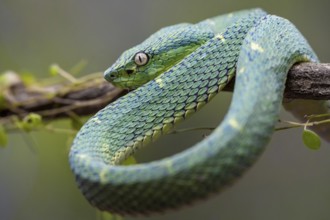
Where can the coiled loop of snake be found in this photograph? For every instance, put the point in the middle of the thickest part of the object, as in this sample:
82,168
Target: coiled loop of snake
186,65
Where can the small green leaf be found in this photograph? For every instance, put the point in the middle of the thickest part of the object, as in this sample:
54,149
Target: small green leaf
129,161
30,122
28,78
33,119
53,69
3,137
311,139
107,216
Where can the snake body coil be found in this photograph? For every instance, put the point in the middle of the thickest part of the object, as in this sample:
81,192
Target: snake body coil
186,65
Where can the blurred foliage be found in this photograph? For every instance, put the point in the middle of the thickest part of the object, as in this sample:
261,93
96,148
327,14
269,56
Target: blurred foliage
311,139
288,182
3,137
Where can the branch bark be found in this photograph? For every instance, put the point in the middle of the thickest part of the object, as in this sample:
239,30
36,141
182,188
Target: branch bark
308,81
305,81
91,93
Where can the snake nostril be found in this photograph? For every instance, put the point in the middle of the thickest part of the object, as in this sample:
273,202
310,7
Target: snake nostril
110,75
113,75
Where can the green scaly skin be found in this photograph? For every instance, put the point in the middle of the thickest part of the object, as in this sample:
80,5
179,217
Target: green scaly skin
191,63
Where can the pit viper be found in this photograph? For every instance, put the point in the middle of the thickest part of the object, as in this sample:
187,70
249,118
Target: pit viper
174,73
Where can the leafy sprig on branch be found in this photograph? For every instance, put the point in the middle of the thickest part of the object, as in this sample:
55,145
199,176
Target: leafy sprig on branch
28,105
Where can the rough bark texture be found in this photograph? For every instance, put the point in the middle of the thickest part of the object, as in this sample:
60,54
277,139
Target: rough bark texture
308,81
90,94
305,81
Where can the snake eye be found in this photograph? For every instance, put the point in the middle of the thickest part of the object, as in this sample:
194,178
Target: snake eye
141,58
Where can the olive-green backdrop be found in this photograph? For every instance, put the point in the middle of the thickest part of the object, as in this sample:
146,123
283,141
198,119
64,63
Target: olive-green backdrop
288,182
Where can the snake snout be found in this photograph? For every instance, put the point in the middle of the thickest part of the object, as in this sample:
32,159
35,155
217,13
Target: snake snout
110,74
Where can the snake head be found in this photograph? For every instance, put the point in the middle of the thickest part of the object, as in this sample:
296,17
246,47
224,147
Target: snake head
155,55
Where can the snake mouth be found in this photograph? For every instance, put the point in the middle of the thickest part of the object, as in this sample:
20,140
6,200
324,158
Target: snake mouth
121,78
116,76
110,74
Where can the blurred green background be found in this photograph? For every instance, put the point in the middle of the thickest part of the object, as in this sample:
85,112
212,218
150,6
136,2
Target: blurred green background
288,182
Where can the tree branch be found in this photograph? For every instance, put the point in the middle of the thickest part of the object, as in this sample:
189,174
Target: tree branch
305,81
91,93
309,81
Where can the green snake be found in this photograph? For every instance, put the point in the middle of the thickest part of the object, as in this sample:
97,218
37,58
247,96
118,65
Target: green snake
175,72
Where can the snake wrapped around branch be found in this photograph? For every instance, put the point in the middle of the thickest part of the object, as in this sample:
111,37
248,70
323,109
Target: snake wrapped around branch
175,72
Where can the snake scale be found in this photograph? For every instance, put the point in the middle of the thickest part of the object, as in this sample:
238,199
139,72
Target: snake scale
175,72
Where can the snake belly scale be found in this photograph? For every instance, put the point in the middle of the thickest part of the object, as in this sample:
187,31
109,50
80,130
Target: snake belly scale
177,71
